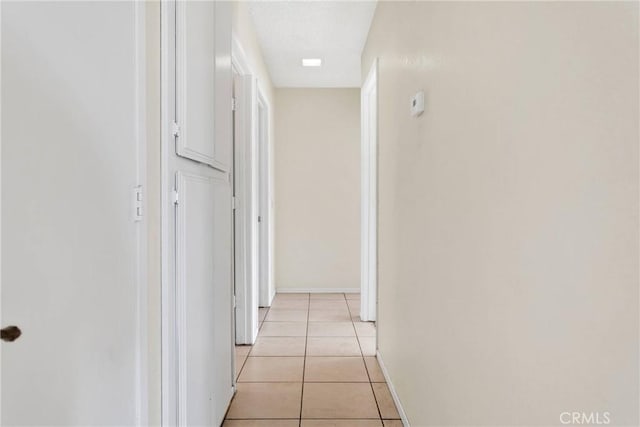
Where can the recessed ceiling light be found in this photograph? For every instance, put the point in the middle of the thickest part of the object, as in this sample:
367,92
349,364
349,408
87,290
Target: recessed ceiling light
311,62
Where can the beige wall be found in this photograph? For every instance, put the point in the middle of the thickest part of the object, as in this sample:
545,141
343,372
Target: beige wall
317,181
508,220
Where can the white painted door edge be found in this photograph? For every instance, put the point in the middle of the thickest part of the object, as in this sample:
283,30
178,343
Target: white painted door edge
392,390
369,196
245,225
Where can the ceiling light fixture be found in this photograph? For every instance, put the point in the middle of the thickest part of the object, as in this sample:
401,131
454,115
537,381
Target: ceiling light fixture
311,62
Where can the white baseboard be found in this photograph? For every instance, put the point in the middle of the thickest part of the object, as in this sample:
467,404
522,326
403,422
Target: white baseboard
392,389
318,290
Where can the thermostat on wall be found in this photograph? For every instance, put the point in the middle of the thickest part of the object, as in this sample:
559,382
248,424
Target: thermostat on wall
417,104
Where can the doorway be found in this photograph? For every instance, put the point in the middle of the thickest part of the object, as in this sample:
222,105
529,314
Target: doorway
252,199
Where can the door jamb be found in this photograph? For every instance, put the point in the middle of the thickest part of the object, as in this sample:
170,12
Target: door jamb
369,196
167,73
265,283
245,232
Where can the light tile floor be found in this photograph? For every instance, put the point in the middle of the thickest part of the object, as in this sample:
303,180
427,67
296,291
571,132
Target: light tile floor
313,365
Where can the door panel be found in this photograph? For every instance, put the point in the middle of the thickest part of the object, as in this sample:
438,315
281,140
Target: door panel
69,243
222,307
203,296
195,296
197,78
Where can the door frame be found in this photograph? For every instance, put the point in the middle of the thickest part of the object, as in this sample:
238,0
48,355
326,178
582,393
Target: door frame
265,282
167,73
246,294
369,196
251,249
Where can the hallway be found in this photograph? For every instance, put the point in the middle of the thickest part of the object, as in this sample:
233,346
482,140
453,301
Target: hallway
313,365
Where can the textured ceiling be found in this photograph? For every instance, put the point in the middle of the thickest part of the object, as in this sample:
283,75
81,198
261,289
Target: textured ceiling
335,31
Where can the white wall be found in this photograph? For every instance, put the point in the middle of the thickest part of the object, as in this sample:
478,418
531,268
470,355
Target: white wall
317,180
508,216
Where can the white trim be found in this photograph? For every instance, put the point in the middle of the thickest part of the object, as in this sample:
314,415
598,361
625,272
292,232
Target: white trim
392,390
264,191
0,207
369,196
168,382
245,257
239,57
142,232
318,290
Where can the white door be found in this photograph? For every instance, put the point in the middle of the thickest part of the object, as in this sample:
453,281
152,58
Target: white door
70,155
197,299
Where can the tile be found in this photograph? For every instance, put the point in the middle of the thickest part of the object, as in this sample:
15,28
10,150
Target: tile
341,423
279,346
356,317
365,329
290,304
331,329
338,400
385,401
352,297
290,296
332,346
240,359
266,400
354,306
272,369
375,373
333,296
368,346
280,315
328,304
329,316
283,329
243,349
262,313
393,423
335,369
260,423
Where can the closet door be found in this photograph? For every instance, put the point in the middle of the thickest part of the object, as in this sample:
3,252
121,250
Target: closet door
198,293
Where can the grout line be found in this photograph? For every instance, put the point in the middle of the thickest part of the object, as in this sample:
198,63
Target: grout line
304,361
365,364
